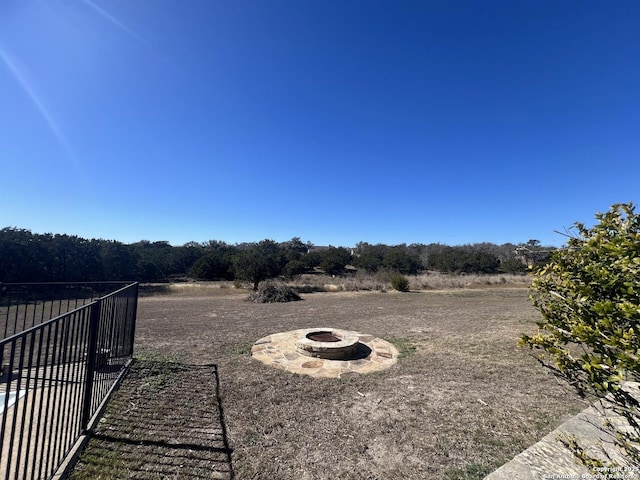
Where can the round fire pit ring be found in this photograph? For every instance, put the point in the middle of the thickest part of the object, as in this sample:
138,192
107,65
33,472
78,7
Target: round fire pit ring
296,351
328,343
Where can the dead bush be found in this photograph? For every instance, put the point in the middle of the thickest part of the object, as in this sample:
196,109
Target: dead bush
272,291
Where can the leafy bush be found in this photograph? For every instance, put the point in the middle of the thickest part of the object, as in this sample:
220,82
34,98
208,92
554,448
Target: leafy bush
589,297
400,283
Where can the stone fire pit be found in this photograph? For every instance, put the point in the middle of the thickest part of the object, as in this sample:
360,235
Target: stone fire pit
325,352
328,343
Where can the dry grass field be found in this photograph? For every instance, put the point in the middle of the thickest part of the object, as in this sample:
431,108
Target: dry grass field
462,400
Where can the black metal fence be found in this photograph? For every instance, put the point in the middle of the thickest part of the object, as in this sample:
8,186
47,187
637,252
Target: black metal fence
66,347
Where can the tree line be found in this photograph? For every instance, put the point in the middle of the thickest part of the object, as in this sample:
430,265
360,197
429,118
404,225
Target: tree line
32,257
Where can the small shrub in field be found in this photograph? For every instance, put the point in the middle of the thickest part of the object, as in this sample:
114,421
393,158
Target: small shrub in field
400,283
271,291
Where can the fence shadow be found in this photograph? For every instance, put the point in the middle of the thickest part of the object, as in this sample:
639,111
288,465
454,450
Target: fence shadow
166,421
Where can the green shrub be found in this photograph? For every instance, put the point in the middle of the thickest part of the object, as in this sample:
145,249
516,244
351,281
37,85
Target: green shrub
400,283
589,298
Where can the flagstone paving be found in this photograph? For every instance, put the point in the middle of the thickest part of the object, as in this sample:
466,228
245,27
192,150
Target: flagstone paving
279,351
549,458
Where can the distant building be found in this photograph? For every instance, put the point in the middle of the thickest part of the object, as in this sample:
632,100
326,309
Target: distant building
317,248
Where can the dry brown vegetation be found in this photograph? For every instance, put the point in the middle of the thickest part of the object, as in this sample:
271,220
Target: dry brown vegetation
360,281
425,281
271,291
461,401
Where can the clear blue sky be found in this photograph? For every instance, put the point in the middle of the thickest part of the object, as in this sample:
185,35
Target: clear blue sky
336,121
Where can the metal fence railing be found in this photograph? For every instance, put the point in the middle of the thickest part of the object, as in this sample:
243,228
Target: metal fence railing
58,373
23,305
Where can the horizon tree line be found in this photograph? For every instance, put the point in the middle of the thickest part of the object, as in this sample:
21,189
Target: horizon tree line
32,257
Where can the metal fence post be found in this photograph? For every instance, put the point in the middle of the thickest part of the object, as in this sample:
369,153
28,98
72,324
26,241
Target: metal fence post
92,348
134,315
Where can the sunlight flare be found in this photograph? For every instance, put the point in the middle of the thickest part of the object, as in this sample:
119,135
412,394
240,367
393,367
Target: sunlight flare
106,15
28,89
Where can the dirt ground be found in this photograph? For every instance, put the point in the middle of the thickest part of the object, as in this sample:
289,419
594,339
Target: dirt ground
462,400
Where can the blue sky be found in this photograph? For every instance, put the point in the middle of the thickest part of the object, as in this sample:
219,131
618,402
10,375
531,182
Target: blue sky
390,122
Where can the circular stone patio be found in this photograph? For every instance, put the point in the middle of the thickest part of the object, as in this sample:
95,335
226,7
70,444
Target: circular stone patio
279,350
